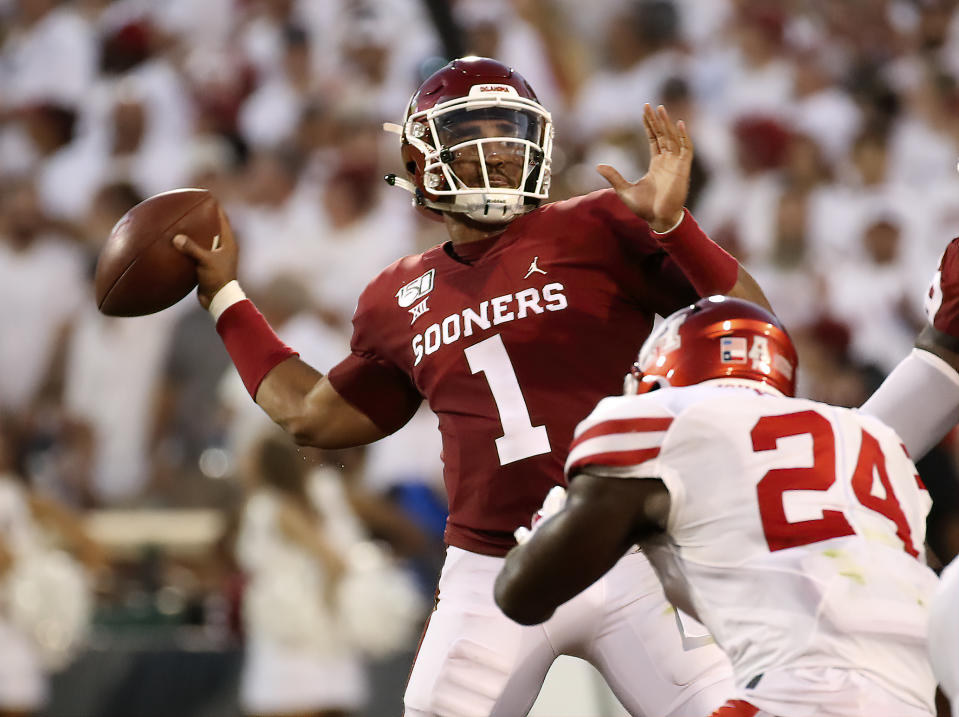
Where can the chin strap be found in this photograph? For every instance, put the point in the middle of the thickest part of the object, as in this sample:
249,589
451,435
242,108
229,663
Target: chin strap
480,212
418,199
395,181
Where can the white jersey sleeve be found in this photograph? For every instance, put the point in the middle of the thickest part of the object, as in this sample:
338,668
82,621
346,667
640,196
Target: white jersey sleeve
919,399
623,437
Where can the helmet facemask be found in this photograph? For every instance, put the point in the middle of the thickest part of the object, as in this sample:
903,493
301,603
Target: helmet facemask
643,375
636,382
486,155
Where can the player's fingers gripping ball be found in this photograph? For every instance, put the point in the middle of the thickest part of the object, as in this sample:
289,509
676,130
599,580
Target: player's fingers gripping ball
554,502
139,271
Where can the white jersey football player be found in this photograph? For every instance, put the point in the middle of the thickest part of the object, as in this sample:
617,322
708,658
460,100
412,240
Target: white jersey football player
920,400
944,634
794,530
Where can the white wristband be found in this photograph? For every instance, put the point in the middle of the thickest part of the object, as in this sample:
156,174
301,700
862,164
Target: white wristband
229,294
672,228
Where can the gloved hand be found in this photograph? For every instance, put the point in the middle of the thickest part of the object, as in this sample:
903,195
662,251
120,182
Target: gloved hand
553,503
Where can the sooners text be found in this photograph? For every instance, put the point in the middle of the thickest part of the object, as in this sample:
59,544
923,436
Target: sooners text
491,313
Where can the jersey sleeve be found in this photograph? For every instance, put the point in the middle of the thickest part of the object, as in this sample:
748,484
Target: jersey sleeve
368,379
622,437
919,400
942,299
651,275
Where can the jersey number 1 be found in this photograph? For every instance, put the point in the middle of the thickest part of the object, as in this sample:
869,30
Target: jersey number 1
780,532
520,439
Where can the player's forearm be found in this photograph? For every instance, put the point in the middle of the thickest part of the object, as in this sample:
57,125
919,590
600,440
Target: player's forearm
709,267
295,395
568,552
283,392
304,403
920,398
746,287
548,570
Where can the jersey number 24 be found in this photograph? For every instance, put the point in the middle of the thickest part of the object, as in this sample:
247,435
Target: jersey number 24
780,532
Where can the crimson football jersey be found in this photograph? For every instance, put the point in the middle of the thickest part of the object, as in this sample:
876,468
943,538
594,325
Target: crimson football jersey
942,301
512,341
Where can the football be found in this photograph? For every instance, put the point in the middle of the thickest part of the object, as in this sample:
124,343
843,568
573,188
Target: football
139,271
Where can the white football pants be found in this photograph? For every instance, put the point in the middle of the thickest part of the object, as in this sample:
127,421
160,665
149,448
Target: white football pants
476,662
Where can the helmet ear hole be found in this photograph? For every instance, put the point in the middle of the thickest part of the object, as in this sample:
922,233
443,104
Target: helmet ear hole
411,167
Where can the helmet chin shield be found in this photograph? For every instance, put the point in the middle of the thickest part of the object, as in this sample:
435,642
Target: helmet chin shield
489,207
485,155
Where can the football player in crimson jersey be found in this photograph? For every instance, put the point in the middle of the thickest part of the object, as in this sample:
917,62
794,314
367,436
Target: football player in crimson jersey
794,529
511,331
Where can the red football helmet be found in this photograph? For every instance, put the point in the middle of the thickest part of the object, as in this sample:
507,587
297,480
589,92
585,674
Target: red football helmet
476,141
716,338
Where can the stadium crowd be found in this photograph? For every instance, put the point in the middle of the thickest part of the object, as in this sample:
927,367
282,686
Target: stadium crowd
826,140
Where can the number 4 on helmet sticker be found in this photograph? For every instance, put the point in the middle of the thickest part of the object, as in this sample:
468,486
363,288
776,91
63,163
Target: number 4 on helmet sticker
759,354
733,350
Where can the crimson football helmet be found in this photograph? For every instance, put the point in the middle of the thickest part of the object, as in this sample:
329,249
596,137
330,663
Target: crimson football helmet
476,141
716,338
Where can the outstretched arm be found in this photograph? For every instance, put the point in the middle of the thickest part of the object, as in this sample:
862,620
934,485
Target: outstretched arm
920,398
746,287
295,395
660,196
568,552
303,401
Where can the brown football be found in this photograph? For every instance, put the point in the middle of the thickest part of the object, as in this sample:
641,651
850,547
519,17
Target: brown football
139,271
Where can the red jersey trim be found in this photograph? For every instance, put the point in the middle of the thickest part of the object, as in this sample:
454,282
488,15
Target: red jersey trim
616,458
623,425
736,708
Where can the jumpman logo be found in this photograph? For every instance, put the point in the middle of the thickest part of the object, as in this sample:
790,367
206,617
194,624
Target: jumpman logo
533,269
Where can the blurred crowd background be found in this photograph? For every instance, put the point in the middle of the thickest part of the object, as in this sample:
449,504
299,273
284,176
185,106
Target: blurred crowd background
826,135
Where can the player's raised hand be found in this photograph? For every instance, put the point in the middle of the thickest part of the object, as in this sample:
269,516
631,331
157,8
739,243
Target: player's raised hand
660,195
215,267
